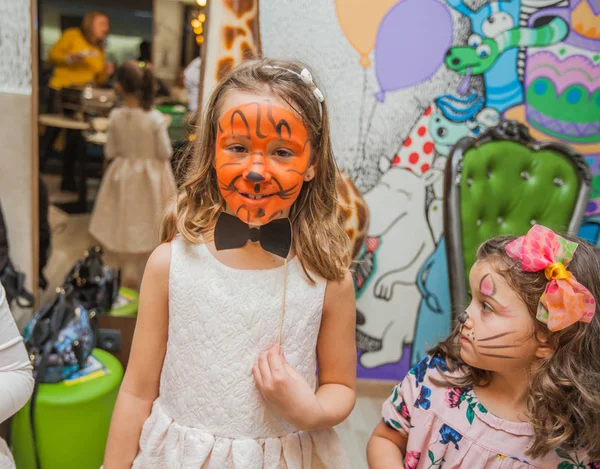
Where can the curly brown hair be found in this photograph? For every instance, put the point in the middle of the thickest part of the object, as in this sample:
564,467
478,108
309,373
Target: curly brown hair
319,240
563,403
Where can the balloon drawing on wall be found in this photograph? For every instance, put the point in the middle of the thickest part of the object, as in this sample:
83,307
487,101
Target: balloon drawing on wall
411,43
359,21
404,55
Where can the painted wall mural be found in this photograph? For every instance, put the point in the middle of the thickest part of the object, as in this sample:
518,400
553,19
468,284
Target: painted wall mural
562,93
405,80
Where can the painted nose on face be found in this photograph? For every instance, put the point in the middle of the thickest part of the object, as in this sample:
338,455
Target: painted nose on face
255,177
465,320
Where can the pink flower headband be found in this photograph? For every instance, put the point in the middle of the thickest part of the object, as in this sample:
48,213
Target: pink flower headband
565,301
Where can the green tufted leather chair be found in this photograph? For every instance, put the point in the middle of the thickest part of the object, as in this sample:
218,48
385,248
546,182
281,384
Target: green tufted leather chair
502,183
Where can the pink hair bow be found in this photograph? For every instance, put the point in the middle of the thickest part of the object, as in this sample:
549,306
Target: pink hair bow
565,301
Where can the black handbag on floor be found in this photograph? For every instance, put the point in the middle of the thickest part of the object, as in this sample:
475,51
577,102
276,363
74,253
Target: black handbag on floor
95,284
60,337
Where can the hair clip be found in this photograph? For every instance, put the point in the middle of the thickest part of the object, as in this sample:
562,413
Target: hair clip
307,79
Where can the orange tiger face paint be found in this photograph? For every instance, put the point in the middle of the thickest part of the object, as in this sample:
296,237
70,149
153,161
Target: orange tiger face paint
262,158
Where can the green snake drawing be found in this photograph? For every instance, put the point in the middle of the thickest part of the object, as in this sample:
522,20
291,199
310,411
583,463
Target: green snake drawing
481,53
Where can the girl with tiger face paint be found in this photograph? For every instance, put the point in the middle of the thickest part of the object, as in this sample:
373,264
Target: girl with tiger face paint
263,158
247,316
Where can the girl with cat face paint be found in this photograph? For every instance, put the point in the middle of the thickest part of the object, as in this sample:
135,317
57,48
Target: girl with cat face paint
518,381
248,294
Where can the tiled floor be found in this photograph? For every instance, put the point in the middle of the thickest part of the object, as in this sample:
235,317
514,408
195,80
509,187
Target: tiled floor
71,238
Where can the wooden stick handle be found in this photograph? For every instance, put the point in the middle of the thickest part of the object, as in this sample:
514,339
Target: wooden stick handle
283,302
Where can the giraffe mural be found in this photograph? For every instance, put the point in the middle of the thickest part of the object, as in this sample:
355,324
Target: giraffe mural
232,37
353,213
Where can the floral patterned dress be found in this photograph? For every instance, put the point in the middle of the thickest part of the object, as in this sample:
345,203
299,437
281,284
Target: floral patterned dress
448,428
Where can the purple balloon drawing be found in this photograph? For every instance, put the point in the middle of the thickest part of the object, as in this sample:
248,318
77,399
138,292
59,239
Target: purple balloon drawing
411,44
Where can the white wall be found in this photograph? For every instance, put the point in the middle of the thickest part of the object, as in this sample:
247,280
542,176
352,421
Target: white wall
17,193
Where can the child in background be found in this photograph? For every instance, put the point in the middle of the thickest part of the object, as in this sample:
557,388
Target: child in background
138,184
517,384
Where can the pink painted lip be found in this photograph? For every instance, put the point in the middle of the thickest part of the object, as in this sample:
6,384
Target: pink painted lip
465,339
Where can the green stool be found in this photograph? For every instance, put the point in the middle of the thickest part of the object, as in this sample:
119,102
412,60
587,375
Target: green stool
127,303
72,419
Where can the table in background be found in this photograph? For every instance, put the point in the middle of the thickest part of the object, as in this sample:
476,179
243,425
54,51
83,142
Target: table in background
68,123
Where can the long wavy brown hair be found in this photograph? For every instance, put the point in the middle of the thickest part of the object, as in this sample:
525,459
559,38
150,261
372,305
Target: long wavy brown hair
563,403
319,240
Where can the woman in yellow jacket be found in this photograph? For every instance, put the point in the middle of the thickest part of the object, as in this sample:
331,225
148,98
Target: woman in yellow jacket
79,59
78,56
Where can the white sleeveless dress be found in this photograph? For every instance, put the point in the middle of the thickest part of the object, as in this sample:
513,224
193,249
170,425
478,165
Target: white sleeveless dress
209,413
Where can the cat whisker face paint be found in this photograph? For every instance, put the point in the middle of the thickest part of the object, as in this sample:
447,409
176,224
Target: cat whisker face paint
486,350
497,330
492,355
263,153
498,336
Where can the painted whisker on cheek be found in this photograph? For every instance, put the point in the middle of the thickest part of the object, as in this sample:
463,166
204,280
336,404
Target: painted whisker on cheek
298,171
287,193
229,188
497,346
495,356
224,165
295,171
497,336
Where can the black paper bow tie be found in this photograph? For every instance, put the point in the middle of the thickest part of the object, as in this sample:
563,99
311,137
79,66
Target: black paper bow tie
274,237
